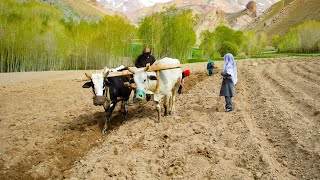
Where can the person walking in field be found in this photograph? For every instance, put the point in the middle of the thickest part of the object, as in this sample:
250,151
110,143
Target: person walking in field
230,79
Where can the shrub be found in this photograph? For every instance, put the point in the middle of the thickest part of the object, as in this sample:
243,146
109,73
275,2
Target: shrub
228,47
304,38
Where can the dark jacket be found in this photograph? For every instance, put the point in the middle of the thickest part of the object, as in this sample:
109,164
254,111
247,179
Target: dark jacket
210,65
227,85
142,60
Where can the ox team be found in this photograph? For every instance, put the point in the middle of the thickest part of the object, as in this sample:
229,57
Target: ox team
109,90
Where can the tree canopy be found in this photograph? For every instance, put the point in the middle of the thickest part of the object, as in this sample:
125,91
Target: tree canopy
169,33
34,36
304,38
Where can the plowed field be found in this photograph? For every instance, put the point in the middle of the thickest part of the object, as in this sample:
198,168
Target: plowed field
49,128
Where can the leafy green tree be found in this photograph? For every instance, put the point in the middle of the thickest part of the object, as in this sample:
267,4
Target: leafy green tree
262,42
35,36
276,39
150,32
251,45
290,43
169,33
207,45
222,40
303,38
229,47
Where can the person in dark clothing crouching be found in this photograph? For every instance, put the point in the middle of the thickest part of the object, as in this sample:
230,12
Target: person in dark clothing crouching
210,68
185,74
230,79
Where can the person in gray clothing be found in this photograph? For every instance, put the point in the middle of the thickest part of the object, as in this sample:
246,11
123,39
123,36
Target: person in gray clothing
230,79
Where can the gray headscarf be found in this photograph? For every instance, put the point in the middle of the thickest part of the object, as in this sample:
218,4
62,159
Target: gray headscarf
230,67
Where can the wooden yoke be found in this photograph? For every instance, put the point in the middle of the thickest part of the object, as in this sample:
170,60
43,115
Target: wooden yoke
149,68
163,67
120,73
158,68
158,82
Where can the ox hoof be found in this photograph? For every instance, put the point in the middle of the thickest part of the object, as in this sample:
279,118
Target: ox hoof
104,130
125,115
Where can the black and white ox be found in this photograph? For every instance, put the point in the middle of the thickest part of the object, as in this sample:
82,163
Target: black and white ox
107,92
169,82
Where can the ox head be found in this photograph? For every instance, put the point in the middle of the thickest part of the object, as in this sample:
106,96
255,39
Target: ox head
98,84
142,81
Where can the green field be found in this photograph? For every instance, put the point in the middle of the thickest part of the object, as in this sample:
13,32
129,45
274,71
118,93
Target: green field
268,54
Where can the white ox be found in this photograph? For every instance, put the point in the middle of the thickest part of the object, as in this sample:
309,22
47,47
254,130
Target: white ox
169,82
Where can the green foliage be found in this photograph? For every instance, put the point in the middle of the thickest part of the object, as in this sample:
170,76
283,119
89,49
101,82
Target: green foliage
304,38
254,44
208,45
197,53
229,47
196,60
276,39
169,33
222,40
225,40
34,37
263,55
251,44
214,55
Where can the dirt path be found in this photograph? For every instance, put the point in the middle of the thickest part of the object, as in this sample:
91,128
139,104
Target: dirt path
50,129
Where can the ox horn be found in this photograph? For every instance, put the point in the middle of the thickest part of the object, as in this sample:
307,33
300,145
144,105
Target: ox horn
88,75
147,67
131,70
106,74
82,78
106,69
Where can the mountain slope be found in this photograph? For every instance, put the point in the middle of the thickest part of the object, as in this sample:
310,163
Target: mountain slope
123,6
86,9
280,17
241,19
89,10
136,9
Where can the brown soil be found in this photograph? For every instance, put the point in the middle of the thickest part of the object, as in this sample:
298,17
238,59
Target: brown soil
50,128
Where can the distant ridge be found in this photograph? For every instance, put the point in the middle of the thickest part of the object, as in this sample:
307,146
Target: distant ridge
285,14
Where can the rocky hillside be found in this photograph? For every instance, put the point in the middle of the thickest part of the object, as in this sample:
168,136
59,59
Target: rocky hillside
89,10
280,17
228,6
241,19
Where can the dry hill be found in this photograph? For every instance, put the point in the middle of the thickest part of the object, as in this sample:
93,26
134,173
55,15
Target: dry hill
241,19
280,17
86,9
89,10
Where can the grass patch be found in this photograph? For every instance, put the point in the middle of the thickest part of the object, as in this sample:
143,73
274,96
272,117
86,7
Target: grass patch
307,55
269,54
197,60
